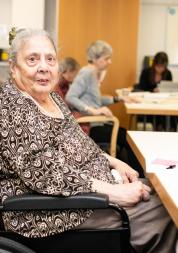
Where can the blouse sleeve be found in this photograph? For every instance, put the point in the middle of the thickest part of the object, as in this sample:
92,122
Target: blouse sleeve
106,100
169,76
29,149
76,91
144,82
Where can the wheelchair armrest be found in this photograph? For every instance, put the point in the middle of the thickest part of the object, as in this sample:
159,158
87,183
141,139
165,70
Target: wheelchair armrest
27,202
32,202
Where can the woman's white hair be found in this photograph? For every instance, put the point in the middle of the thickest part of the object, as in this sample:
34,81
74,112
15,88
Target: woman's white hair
21,36
97,49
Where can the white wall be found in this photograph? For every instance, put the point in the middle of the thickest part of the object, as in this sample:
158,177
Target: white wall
5,22
28,13
152,30
51,15
18,13
5,16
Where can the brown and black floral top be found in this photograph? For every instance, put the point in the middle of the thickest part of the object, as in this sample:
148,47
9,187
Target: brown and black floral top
47,155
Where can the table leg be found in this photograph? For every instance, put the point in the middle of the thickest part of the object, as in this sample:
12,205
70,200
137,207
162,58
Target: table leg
132,122
168,118
144,122
154,123
176,126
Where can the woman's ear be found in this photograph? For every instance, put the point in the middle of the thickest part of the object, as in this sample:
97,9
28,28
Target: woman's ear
12,68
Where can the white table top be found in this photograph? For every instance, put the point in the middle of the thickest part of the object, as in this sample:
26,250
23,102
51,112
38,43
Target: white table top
161,148
153,104
154,145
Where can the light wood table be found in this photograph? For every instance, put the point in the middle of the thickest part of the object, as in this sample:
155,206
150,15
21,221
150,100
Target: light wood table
148,146
153,104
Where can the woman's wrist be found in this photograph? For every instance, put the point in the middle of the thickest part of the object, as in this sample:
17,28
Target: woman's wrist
117,99
101,186
113,162
92,111
112,190
88,110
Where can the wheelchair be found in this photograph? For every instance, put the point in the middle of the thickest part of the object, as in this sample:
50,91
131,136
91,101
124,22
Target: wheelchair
107,240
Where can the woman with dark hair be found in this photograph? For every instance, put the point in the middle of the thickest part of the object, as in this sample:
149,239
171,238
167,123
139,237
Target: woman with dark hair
149,79
159,71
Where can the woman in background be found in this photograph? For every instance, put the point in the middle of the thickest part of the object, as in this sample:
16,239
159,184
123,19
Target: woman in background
151,76
149,79
84,96
68,69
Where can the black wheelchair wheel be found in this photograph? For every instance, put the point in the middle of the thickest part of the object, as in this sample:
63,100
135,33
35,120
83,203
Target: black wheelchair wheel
10,246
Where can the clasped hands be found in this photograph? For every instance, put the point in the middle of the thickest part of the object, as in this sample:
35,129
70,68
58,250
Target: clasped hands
132,190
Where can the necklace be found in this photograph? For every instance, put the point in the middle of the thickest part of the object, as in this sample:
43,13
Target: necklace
54,113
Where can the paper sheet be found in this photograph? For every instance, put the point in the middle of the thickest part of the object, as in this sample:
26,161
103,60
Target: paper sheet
160,164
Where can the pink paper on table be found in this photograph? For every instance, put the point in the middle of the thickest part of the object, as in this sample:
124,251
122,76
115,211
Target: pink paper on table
164,162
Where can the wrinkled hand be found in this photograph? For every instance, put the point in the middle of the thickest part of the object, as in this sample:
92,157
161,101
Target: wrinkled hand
130,194
126,172
132,190
123,194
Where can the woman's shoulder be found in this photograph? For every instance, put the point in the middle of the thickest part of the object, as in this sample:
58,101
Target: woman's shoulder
61,103
14,102
147,70
9,95
7,88
14,106
86,71
58,98
84,78
169,71
168,75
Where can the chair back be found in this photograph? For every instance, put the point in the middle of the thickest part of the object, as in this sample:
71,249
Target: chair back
105,119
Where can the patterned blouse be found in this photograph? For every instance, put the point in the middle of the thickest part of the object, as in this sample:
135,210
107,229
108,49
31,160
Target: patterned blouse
47,155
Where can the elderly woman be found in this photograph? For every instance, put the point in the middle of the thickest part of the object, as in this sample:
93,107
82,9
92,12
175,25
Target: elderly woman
84,96
44,150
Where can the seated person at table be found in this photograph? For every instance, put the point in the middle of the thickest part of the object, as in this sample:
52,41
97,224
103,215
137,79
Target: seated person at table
84,95
44,150
68,68
150,77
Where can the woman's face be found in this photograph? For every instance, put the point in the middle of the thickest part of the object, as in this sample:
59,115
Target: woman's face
36,68
160,68
103,62
69,75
